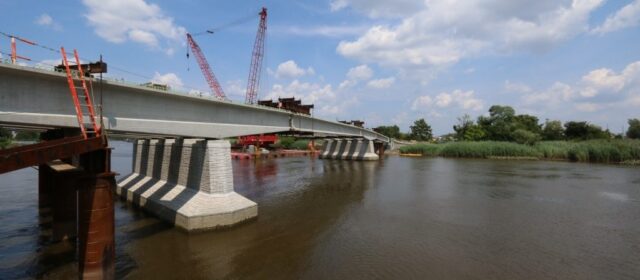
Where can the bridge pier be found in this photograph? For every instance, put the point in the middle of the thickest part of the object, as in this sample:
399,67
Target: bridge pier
349,149
187,182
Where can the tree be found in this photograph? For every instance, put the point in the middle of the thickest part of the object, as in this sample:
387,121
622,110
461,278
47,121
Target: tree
522,136
552,130
467,130
498,126
634,129
392,131
584,131
421,131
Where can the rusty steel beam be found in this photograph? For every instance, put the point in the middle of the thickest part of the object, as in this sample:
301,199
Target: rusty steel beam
43,152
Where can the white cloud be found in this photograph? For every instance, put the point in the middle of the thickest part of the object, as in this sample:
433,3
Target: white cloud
118,21
360,73
421,102
47,20
628,16
381,83
170,79
598,89
380,8
462,99
444,32
443,100
290,69
236,88
323,96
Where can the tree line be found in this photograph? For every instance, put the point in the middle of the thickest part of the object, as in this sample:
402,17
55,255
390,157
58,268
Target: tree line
503,124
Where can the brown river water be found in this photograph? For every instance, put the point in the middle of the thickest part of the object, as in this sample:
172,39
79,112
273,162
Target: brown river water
399,218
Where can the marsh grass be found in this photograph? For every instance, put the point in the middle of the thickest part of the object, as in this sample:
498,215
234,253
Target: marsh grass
606,151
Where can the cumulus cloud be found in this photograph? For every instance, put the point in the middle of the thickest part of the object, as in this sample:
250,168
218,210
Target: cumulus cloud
598,89
421,102
628,16
290,69
444,32
170,79
47,20
360,73
381,83
323,96
119,21
459,98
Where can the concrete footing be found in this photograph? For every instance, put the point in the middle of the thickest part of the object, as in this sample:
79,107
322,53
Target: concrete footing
349,149
186,182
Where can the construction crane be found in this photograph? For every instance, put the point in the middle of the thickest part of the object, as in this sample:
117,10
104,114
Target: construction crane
253,83
206,69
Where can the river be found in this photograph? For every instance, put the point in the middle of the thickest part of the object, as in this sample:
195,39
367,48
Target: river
399,218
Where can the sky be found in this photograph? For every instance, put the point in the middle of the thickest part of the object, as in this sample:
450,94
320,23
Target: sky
383,62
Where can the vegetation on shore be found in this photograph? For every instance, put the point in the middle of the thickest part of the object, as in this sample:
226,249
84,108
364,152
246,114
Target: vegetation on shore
605,151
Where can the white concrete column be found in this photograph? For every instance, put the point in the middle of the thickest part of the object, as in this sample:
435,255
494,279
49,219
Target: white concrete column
220,174
187,182
369,151
326,147
338,147
344,154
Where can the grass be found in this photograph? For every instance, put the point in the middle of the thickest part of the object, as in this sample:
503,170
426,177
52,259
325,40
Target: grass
605,151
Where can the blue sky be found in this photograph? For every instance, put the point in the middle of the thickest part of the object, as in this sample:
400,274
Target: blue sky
384,62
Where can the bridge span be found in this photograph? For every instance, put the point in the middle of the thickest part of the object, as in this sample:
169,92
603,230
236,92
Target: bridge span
40,98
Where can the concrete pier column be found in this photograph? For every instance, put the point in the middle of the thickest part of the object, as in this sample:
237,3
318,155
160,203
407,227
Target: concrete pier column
366,150
344,154
96,229
339,148
326,147
190,185
379,148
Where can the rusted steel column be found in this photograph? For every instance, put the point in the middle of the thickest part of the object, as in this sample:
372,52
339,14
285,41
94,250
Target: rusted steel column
66,179
379,147
45,182
96,230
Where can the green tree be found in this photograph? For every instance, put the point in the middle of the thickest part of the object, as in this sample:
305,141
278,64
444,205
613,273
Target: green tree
5,137
498,126
522,136
634,129
27,136
584,131
392,131
552,130
467,130
421,131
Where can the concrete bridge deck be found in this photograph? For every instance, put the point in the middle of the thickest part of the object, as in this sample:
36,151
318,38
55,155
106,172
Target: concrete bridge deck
40,98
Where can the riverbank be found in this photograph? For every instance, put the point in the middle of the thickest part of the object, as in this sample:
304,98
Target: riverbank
623,151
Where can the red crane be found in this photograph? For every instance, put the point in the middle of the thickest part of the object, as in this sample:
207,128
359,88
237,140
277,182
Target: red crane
206,69
253,82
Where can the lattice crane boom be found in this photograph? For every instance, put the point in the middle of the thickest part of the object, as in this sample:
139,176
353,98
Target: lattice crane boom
206,69
253,83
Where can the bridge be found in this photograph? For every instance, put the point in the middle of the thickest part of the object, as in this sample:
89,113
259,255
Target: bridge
181,163
31,97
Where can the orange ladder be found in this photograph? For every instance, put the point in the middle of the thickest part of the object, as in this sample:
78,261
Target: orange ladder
86,109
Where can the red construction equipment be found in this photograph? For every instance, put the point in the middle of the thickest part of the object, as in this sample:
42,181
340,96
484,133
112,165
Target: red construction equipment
14,53
253,82
92,126
206,69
